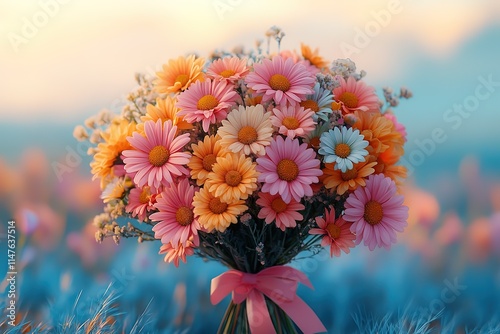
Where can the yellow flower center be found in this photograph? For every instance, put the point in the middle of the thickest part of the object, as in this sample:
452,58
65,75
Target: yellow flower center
233,178
158,156
145,196
287,170
247,135
227,73
373,212
278,205
310,104
349,99
333,230
279,82
291,123
349,174
216,206
208,162
342,150
184,216
207,102
182,79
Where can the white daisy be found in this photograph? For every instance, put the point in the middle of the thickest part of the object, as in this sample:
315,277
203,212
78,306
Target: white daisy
344,147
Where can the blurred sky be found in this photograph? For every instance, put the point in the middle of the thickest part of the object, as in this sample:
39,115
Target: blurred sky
81,56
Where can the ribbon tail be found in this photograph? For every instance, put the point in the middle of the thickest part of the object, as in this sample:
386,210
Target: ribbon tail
258,314
303,316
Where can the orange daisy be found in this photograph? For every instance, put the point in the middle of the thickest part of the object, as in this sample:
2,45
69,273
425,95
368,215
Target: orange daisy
205,155
165,110
349,180
213,213
178,74
313,56
233,177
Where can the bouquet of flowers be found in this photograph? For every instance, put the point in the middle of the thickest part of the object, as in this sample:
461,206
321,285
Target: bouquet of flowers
250,158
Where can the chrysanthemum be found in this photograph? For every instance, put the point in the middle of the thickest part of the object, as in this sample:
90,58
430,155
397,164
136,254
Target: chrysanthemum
355,95
337,233
205,155
281,80
274,209
175,216
107,161
349,180
206,102
376,212
213,213
157,156
140,201
288,168
233,177
344,147
230,69
247,130
313,56
178,253
165,110
293,121
178,74
320,102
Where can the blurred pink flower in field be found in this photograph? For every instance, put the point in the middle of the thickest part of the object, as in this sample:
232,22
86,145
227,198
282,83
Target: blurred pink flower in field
424,207
495,232
78,193
478,241
451,230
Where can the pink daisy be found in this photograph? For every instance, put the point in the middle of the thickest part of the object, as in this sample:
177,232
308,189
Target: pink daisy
355,95
288,168
140,202
275,209
377,212
337,233
158,156
175,217
281,80
175,254
297,60
293,121
206,102
398,126
230,69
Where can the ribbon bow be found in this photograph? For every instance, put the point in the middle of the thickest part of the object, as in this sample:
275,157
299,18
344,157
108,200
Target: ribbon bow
279,284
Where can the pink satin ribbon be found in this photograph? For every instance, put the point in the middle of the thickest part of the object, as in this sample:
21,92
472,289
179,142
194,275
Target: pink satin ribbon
277,283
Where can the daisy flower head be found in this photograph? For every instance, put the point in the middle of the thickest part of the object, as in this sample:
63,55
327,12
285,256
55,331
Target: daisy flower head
175,216
398,126
355,95
233,177
313,57
248,130
107,161
281,80
320,102
230,69
158,156
293,120
344,147
313,138
177,253
116,189
349,180
288,168
165,110
376,212
140,202
206,102
205,155
178,74
274,209
336,233
213,214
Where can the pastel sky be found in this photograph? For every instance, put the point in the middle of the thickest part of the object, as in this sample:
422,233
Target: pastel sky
85,53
